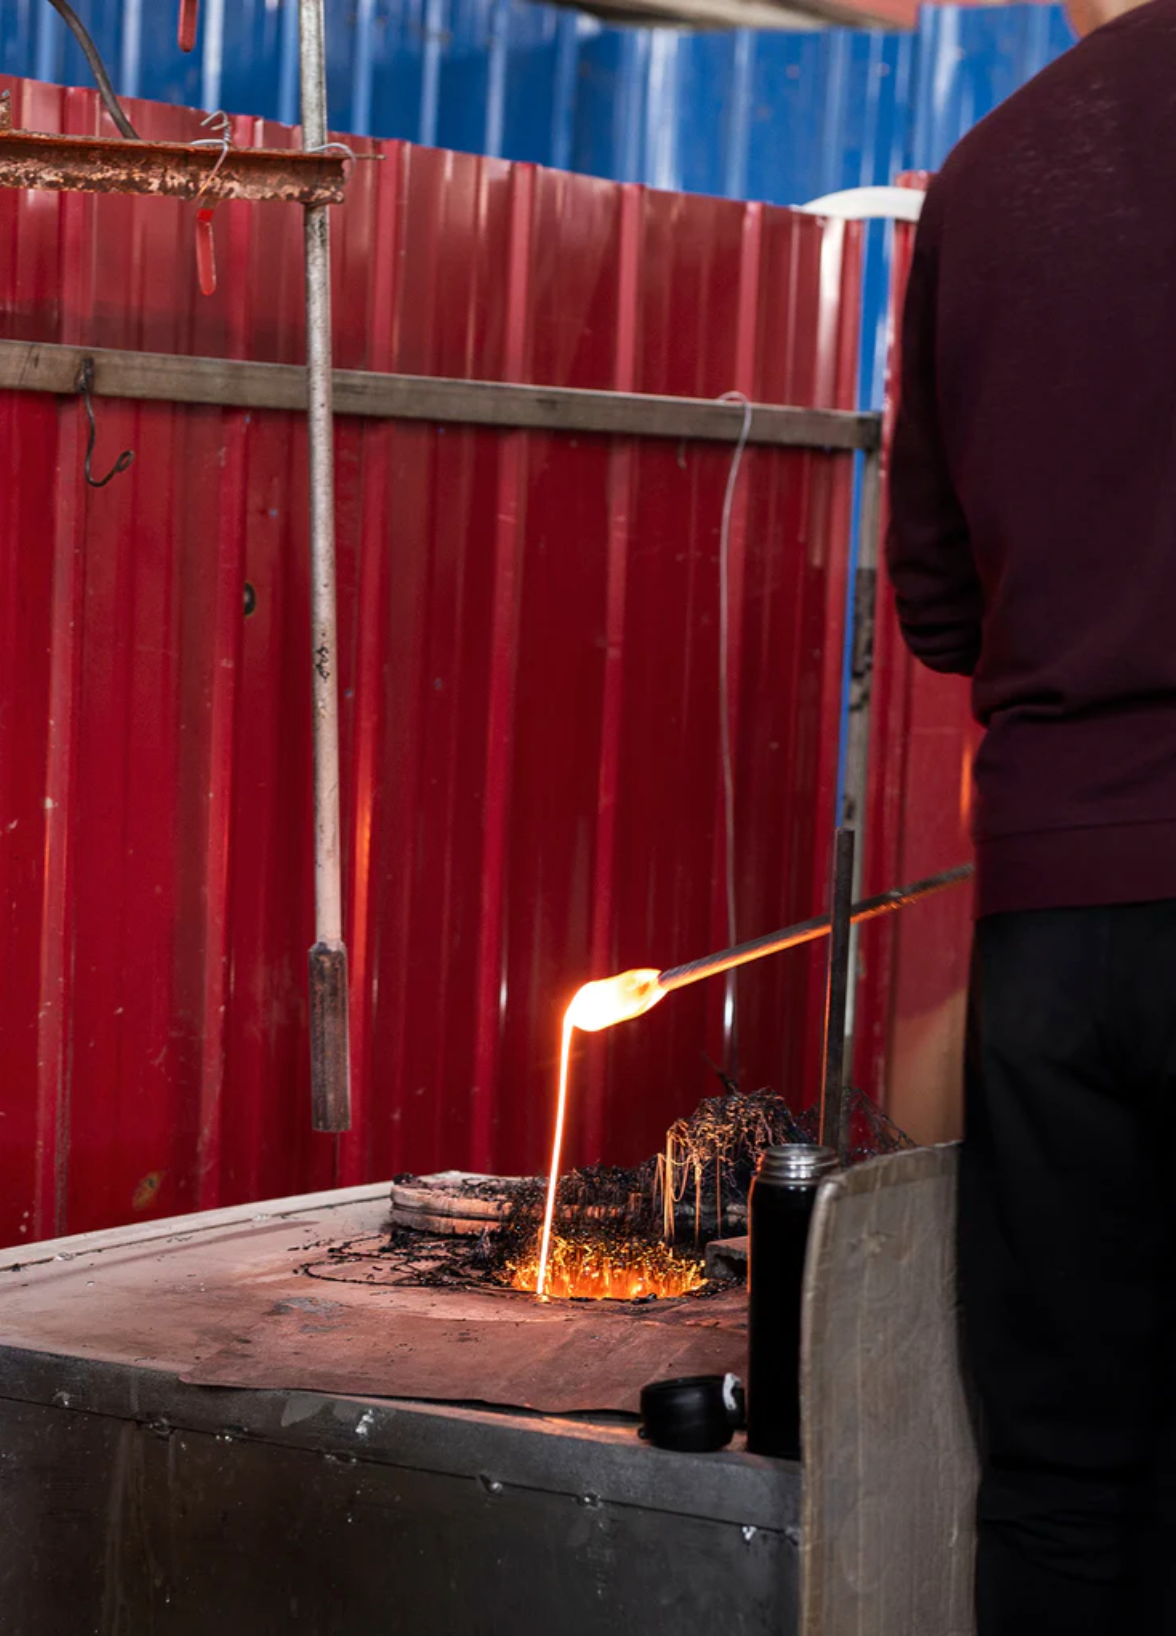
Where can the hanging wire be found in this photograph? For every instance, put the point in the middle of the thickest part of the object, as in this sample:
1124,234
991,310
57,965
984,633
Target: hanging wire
97,67
730,1014
85,386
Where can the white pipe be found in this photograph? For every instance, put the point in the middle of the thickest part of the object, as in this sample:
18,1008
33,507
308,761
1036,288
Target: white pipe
860,204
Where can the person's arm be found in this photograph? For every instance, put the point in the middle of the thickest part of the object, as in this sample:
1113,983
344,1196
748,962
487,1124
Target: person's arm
937,590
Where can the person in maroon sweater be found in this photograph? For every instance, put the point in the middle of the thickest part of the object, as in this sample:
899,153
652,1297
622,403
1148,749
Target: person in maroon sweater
1033,547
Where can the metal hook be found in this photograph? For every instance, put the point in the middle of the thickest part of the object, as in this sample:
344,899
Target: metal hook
220,122
205,246
348,153
85,386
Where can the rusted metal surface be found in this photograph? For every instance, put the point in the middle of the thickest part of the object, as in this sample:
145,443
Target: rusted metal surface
207,1509
330,1052
528,649
304,1300
94,164
595,1358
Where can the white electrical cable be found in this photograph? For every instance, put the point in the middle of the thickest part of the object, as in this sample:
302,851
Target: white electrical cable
730,1028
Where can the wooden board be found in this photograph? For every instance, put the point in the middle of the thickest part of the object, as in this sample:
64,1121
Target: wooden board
42,366
890,1468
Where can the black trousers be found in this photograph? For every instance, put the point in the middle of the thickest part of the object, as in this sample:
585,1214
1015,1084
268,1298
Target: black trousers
1067,1212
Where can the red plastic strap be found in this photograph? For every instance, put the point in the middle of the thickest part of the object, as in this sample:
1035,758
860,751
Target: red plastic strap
205,251
189,18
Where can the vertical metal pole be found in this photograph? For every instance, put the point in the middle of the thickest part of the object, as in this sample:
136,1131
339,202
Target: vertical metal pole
840,908
865,600
330,1054
861,680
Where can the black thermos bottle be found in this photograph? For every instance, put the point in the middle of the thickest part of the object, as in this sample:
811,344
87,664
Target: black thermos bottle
779,1210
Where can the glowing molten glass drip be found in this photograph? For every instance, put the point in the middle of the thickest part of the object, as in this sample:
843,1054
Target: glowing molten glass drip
611,1273
597,1005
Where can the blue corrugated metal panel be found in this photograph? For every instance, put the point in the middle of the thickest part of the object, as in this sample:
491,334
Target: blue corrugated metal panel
969,60
385,77
779,117
507,79
612,91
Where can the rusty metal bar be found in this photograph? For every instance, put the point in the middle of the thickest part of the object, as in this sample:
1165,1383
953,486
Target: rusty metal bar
43,366
97,164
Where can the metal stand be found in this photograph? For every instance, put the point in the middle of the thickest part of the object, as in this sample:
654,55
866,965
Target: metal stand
865,599
330,1050
209,172
833,1077
861,676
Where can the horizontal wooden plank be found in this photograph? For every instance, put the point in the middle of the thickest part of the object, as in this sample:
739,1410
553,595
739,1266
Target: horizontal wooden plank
33,366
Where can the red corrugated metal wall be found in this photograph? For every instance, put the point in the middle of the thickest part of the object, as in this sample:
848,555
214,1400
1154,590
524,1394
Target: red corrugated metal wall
915,966
529,629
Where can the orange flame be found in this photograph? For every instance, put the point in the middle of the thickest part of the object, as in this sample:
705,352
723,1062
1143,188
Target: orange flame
595,1006
614,1000
611,1273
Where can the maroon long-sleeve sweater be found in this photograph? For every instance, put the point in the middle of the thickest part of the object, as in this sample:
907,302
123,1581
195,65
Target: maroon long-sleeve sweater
1033,476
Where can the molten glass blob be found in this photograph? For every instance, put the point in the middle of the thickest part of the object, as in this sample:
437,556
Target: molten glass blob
614,999
595,1006
611,1272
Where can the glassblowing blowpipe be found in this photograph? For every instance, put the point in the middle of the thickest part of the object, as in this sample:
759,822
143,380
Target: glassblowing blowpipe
612,1000
630,994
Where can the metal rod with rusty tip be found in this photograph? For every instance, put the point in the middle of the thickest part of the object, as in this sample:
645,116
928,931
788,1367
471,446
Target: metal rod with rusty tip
808,931
611,1000
833,1076
330,1046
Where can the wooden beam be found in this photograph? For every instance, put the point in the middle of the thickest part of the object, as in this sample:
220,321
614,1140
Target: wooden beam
34,366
